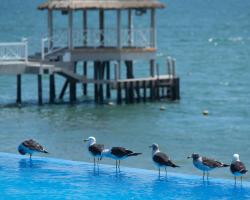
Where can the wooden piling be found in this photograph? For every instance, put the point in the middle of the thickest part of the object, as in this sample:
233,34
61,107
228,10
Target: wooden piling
138,91
131,92
40,89
19,89
100,78
52,92
144,91
126,92
108,92
85,74
175,94
119,93
72,91
95,85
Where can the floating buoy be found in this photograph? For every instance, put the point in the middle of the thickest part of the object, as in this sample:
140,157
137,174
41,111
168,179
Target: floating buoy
111,103
162,108
205,112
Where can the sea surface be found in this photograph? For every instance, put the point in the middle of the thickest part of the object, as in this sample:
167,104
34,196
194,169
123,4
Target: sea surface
210,40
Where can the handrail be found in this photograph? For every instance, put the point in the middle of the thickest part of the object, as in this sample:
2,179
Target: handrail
96,38
11,51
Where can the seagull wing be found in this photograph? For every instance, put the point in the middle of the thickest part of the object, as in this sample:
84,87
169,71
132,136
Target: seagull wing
238,167
33,145
96,149
163,159
212,163
120,151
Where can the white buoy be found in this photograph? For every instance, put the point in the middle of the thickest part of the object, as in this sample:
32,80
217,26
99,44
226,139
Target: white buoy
205,112
162,108
111,103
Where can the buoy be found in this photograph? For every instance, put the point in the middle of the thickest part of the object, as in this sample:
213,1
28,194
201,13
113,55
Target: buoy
162,108
205,112
111,103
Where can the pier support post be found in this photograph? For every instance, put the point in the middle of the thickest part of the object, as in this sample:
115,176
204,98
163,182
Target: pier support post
108,93
119,93
40,89
72,91
52,89
85,72
144,91
95,79
19,89
175,89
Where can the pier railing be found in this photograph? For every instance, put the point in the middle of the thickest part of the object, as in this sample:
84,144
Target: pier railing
12,51
95,38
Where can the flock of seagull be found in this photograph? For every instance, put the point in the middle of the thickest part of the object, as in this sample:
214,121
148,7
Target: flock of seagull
160,159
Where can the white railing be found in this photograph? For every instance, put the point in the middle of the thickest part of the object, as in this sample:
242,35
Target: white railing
138,38
14,51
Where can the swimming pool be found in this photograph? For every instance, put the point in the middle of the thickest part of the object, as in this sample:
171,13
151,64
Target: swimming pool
47,178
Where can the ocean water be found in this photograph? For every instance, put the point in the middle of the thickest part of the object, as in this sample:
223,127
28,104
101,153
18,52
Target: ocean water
44,178
210,40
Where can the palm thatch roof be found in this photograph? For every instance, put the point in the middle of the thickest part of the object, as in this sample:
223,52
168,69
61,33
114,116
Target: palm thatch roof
100,4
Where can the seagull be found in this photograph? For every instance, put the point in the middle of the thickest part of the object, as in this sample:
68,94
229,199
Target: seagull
161,159
30,147
205,164
118,154
94,149
237,167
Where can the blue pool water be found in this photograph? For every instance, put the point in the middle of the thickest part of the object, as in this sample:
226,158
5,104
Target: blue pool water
48,178
210,40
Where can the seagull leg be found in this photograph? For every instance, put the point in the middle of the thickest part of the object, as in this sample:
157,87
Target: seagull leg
119,165
207,175
159,171
30,156
94,161
234,180
203,175
166,171
116,165
241,180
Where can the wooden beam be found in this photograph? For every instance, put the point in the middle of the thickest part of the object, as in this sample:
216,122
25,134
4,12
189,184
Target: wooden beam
65,85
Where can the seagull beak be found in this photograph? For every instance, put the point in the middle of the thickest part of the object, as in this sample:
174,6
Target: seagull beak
86,140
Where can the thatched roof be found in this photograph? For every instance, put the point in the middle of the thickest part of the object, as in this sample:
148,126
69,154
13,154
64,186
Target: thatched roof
100,4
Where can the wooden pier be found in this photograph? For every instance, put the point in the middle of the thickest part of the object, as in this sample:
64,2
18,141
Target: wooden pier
105,52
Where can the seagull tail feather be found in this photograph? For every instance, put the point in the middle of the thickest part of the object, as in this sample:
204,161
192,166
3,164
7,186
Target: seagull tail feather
134,154
44,151
174,165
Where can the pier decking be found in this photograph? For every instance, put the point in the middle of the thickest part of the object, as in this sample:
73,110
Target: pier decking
105,51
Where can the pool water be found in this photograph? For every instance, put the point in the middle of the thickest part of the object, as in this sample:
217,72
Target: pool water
48,178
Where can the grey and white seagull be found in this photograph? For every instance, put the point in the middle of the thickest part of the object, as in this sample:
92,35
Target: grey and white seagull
161,160
237,167
205,164
30,147
118,154
94,149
